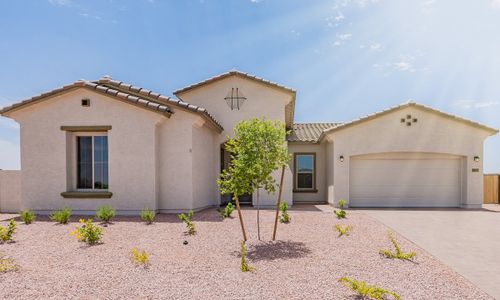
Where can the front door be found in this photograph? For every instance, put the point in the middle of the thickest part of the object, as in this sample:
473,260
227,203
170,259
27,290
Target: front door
225,159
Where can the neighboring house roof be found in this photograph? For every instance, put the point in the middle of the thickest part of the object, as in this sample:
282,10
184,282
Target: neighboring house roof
289,109
141,92
492,131
124,92
308,132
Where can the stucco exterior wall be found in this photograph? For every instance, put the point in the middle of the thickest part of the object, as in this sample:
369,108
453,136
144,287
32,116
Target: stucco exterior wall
321,179
329,157
175,163
431,134
204,167
44,157
10,191
262,101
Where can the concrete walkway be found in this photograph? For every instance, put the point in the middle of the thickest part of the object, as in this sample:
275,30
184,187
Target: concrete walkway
467,241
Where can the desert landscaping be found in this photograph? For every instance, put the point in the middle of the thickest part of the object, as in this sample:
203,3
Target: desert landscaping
305,262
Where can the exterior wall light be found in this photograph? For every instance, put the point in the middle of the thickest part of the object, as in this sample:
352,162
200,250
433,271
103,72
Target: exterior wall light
476,158
341,158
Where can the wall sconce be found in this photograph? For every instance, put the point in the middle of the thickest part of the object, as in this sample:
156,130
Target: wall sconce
476,158
341,158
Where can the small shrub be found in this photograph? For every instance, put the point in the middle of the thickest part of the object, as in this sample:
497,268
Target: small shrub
365,290
189,224
27,216
7,264
88,233
343,230
139,257
399,254
105,213
227,211
244,267
284,217
342,203
341,214
61,216
6,233
148,216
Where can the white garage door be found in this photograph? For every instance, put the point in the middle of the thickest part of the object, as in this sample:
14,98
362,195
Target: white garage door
405,180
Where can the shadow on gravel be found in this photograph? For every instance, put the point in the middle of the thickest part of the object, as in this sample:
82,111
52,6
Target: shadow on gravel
277,250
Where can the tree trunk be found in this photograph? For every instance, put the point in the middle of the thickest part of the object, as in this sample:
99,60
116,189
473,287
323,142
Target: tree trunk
240,217
258,215
278,202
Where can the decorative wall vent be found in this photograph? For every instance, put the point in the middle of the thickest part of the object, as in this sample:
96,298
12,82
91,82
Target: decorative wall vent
235,99
409,120
85,102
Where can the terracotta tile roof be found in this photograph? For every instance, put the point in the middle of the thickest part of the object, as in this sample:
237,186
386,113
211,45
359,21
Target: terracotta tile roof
289,109
308,132
405,105
131,99
124,92
147,94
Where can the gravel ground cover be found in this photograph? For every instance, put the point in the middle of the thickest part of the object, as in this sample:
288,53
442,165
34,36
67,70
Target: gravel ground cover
305,263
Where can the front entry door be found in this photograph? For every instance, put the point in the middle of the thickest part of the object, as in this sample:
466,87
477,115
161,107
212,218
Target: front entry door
225,159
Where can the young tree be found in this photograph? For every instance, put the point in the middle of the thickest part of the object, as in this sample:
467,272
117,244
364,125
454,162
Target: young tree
257,150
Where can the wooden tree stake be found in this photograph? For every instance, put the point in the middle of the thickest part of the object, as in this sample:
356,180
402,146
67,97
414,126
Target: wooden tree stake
278,202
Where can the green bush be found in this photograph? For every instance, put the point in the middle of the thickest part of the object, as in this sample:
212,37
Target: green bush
140,257
399,254
148,216
7,264
368,291
343,230
105,213
342,203
61,216
88,233
227,211
6,233
189,224
27,216
244,267
341,214
284,217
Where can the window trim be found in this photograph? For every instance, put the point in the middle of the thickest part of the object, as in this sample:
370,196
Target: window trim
88,134
295,173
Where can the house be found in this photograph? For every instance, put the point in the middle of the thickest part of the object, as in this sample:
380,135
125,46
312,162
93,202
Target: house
107,142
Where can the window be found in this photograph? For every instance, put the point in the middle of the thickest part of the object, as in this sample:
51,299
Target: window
92,162
305,168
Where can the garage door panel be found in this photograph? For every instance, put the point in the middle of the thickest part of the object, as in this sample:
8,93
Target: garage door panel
405,182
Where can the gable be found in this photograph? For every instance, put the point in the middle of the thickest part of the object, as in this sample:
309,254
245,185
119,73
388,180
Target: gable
436,116
235,79
83,84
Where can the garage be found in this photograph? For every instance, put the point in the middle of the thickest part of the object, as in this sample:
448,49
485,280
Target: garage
405,180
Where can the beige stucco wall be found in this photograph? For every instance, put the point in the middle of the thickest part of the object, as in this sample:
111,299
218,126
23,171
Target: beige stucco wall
431,134
186,164
321,172
262,101
204,169
10,191
44,151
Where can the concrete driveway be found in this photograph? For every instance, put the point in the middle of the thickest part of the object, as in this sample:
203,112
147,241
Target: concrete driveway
468,241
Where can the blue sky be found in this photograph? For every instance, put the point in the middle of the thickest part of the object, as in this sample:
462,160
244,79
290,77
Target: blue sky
345,58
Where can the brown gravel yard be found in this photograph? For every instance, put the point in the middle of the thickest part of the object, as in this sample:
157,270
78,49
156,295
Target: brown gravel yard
305,263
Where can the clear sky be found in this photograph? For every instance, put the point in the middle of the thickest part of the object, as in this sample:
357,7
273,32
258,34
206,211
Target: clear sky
345,58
